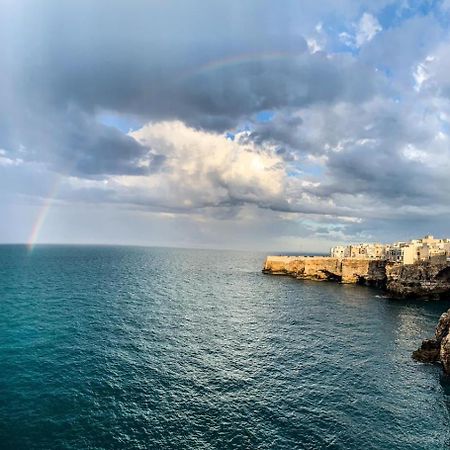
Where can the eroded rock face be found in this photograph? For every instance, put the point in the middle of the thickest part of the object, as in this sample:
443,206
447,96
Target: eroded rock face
422,279
417,280
445,354
437,348
345,270
428,352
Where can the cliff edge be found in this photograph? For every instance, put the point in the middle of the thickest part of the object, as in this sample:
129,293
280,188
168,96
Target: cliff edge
346,270
418,280
421,279
437,349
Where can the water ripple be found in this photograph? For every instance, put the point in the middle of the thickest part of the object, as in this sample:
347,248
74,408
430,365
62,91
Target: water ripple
111,348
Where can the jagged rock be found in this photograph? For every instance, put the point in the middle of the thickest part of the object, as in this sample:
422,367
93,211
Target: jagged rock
438,348
420,279
428,351
445,354
442,326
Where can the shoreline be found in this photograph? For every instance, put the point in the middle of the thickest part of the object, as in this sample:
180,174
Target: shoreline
421,279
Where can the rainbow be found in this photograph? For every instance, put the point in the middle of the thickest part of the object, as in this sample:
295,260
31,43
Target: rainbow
235,60
210,66
43,213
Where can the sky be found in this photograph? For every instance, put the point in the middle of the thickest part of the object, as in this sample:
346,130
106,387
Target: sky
260,124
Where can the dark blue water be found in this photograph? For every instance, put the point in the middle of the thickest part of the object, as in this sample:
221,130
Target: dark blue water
140,348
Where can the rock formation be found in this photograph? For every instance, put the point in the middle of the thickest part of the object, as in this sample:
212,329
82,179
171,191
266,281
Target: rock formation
347,270
438,348
419,279
400,280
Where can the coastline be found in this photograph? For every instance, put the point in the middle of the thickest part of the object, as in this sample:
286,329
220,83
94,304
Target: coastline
421,279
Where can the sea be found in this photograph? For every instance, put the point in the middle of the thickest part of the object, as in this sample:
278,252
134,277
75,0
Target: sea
155,348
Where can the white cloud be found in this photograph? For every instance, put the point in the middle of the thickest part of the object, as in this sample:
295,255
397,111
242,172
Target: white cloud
347,39
414,154
313,45
5,161
422,72
367,28
362,32
205,169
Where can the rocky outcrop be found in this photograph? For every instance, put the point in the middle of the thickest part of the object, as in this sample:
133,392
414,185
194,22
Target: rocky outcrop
438,348
418,280
347,270
399,280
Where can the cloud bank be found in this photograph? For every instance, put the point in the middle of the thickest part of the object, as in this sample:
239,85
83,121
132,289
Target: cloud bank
322,123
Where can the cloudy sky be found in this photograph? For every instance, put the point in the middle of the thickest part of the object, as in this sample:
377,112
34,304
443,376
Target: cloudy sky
257,124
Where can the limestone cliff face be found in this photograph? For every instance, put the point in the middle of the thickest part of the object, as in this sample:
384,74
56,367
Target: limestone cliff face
345,270
420,279
438,348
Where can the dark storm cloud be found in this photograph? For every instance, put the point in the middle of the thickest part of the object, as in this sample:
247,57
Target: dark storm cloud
370,115
384,150
150,59
72,142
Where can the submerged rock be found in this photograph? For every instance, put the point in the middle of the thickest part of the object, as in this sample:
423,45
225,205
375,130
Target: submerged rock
438,348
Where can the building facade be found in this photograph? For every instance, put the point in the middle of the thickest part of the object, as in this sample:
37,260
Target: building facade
426,249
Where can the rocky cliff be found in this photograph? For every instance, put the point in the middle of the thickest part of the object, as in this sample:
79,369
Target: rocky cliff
438,348
420,279
345,270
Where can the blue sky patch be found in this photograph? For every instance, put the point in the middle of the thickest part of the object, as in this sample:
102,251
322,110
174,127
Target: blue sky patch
121,122
265,116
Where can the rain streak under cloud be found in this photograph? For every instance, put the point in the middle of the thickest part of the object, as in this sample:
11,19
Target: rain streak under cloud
224,124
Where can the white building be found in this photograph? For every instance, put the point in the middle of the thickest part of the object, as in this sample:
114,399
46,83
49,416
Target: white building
359,251
425,249
340,251
403,252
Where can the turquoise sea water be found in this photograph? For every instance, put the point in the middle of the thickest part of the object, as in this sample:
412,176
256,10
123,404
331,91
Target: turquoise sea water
140,348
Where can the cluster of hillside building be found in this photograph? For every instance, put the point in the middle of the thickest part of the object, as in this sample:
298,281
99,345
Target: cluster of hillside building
425,249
